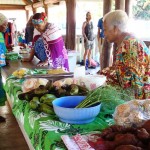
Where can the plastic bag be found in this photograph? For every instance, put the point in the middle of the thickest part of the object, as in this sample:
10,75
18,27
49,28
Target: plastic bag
132,113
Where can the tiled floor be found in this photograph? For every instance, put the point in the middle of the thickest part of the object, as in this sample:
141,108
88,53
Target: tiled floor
11,137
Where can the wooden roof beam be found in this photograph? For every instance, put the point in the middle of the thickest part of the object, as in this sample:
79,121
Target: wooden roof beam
11,7
51,1
27,2
41,4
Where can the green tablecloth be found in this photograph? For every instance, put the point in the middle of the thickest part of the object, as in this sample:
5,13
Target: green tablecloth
45,131
12,56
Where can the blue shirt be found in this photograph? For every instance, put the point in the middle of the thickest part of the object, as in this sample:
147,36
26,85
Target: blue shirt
100,25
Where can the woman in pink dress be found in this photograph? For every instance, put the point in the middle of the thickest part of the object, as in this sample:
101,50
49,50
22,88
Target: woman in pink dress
53,42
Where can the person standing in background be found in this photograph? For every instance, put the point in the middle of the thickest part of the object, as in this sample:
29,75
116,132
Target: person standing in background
88,34
29,30
3,27
100,36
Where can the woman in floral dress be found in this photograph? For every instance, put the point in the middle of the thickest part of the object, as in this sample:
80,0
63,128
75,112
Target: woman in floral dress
131,66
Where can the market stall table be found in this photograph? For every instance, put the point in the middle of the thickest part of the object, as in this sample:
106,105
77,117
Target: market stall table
43,131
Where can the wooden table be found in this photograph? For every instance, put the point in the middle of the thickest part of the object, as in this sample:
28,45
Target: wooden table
16,64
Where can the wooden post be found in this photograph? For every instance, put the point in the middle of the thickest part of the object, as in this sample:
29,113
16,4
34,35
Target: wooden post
106,50
107,4
120,4
46,9
70,24
27,15
128,6
34,10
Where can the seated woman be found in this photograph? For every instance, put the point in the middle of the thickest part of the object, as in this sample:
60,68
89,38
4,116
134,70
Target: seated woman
131,66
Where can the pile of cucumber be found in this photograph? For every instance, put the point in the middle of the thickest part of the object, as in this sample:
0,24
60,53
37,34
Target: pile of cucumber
40,99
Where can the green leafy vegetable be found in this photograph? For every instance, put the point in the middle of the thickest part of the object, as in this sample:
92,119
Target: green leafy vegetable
109,96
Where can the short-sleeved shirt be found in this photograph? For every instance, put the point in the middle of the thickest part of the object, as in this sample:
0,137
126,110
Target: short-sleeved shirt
100,25
131,68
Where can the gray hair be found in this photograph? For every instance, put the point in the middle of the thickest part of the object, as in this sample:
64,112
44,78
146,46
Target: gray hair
117,18
3,19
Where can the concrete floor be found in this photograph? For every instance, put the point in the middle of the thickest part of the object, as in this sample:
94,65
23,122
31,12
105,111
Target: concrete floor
11,137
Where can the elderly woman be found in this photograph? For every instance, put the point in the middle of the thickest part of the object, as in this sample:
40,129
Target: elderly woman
131,66
3,27
53,42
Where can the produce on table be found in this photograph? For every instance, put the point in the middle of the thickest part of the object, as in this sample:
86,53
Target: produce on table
128,138
56,71
134,112
41,90
43,104
46,109
36,99
20,73
47,99
41,98
108,95
67,90
34,105
32,83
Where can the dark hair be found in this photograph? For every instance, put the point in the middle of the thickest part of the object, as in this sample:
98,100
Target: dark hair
87,14
39,15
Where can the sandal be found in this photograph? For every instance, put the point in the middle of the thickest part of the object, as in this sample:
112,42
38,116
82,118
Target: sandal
91,67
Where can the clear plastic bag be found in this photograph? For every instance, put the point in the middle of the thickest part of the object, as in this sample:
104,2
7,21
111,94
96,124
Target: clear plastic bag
132,113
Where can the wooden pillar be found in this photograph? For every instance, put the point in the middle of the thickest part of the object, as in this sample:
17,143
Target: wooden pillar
34,10
106,50
70,24
128,5
46,10
27,15
107,4
120,4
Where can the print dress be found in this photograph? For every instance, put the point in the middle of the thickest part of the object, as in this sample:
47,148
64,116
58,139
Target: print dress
131,68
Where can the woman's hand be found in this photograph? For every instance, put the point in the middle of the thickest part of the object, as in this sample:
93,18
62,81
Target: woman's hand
45,63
